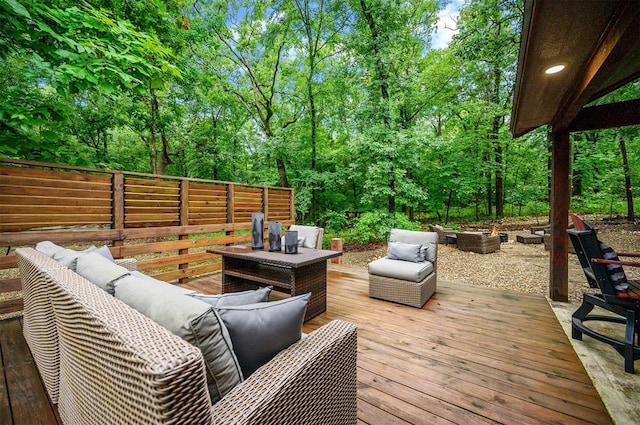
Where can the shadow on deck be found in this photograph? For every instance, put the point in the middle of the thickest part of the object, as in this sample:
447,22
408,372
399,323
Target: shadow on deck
470,355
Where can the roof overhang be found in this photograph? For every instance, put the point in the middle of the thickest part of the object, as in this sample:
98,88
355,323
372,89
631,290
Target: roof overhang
598,41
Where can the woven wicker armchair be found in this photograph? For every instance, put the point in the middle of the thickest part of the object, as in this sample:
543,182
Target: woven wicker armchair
312,234
478,242
442,232
406,282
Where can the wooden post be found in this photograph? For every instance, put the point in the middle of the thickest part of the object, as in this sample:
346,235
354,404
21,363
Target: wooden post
230,208
292,208
559,262
117,205
184,221
336,245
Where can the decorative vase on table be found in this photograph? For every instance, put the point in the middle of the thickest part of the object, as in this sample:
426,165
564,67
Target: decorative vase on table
257,231
275,243
291,242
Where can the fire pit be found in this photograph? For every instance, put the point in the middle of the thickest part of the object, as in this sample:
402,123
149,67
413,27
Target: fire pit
504,237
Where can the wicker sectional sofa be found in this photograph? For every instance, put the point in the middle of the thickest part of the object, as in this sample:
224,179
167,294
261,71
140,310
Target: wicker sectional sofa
106,363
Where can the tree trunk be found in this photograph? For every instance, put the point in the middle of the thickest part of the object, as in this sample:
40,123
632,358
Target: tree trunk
282,172
627,180
448,206
383,79
498,169
486,158
214,140
154,133
165,158
313,116
576,181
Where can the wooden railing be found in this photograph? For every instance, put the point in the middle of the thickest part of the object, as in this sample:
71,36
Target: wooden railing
165,222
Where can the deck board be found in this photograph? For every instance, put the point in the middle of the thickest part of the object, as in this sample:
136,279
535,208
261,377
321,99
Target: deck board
27,399
470,355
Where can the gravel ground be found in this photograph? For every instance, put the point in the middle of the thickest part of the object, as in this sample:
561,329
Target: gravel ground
518,267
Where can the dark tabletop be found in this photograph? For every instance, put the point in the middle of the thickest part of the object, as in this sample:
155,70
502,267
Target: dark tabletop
304,256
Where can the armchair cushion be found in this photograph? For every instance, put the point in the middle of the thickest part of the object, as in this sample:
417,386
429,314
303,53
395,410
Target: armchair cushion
426,239
404,270
312,235
405,252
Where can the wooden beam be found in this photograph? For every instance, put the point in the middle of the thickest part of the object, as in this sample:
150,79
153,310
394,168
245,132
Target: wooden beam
611,115
560,194
582,90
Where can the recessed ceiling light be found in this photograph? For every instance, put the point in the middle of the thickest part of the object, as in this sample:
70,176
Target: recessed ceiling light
554,69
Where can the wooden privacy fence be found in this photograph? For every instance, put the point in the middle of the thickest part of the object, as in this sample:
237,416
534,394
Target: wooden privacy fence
165,222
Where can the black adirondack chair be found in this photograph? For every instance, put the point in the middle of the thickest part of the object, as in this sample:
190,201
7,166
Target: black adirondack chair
626,305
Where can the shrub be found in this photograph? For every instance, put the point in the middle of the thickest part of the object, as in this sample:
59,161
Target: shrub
376,226
333,221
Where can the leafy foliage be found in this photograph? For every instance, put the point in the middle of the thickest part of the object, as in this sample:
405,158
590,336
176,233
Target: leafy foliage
347,102
376,226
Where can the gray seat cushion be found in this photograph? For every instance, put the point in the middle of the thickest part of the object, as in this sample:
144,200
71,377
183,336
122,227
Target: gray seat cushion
403,270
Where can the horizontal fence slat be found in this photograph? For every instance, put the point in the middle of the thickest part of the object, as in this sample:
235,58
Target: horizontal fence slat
133,211
57,183
151,203
11,306
8,262
53,200
48,191
46,210
10,285
190,272
131,181
174,260
50,174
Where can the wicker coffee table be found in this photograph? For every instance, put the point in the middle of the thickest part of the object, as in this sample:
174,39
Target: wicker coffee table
295,274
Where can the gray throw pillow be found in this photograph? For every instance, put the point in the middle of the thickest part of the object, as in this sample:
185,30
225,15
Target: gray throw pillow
236,298
69,257
105,252
260,331
423,253
192,320
100,271
405,252
48,248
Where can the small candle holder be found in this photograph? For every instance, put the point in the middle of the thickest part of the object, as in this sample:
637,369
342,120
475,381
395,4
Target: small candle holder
275,243
291,242
257,231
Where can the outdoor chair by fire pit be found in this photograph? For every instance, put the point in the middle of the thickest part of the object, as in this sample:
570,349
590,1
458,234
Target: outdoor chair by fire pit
603,270
478,242
442,232
407,275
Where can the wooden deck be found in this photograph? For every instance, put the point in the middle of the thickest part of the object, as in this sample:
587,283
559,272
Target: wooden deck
470,356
